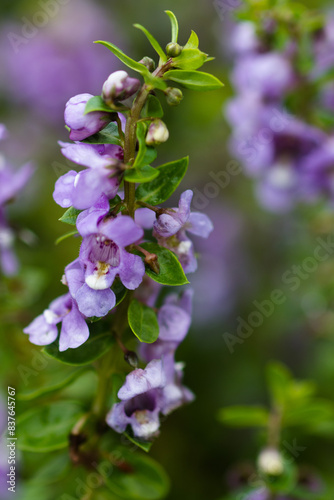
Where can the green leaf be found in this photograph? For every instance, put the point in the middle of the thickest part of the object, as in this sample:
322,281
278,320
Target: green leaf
310,414
159,190
171,272
70,216
65,236
174,24
143,479
150,155
141,174
194,80
63,382
190,59
192,42
152,108
97,345
96,103
131,63
53,470
141,136
143,322
46,428
143,445
109,135
244,416
155,44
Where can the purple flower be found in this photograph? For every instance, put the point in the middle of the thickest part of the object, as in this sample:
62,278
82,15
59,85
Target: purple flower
244,39
174,319
55,61
3,132
318,171
119,86
170,230
74,330
90,302
8,261
11,182
139,406
83,125
81,190
269,74
103,251
147,393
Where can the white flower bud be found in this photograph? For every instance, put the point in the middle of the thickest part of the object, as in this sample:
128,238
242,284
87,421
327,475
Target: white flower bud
157,133
270,462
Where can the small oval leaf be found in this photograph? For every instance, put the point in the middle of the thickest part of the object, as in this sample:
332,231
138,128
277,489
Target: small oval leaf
171,272
159,190
143,322
194,80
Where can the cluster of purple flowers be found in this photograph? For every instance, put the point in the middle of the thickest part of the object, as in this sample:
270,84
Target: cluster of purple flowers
11,183
107,253
290,156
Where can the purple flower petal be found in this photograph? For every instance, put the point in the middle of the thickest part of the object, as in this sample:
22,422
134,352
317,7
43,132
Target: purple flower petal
95,302
184,205
131,270
166,225
86,155
74,331
140,381
200,224
88,219
174,323
63,191
41,332
122,230
145,218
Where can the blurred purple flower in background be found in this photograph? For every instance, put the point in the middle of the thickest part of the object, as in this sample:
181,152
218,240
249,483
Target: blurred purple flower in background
289,157
11,183
43,70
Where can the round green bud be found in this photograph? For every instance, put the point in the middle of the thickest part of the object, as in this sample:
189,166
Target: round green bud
173,96
149,63
173,49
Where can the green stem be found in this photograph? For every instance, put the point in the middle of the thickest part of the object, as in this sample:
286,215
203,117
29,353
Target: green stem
274,428
130,145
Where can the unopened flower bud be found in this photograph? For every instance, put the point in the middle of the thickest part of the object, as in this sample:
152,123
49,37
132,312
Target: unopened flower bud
119,86
131,358
82,126
271,462
149,63
173,96
157,133
173,49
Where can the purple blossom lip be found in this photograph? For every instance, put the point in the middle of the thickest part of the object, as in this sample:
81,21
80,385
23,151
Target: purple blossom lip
82,190
103,251
74,330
